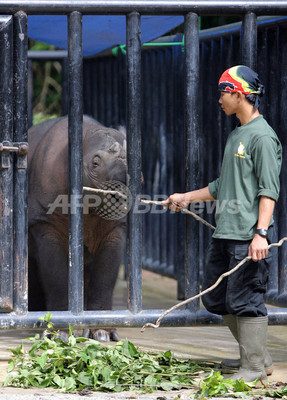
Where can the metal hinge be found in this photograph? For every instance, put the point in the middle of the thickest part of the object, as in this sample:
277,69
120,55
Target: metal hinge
20,148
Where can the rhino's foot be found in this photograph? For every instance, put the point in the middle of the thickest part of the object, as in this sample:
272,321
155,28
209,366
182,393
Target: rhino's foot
82,333
101,335
63,335
105,335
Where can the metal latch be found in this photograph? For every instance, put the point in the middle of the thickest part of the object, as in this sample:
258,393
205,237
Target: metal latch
21,148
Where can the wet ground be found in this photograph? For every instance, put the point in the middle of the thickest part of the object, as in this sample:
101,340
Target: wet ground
211,343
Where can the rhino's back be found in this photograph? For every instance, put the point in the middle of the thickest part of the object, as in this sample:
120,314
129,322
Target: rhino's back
48,163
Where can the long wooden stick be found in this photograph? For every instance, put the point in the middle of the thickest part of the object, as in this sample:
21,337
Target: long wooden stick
183,210
104,191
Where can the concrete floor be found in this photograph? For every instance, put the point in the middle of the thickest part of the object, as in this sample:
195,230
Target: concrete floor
210,343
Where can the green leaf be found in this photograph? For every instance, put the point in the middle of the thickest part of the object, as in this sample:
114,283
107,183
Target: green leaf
9,380
110,386
72,340
277,393
70,384
48,317
132,349
81,339
150,380
167,386
70,330
18,350
25,372
84,378
11,365
41,360
59,381
241,386
105,373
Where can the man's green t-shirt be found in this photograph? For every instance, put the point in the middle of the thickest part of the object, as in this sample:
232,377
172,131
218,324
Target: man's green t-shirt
250,169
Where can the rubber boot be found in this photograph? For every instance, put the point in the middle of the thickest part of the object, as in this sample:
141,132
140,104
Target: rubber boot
226,364
231,322
252,337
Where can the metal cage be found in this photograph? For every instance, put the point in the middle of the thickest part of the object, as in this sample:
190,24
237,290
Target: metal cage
14,148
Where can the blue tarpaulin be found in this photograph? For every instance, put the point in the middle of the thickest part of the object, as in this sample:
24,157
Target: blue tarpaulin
99,32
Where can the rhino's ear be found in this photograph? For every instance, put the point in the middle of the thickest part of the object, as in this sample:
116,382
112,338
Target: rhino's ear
115,148
122,129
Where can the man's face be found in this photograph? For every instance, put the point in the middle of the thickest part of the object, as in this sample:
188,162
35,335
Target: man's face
228,102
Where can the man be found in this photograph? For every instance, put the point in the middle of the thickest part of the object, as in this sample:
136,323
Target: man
249,177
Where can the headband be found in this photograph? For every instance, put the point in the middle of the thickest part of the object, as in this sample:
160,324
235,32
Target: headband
241,79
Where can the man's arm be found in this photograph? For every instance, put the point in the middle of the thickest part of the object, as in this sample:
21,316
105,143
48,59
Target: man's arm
258,248
177,201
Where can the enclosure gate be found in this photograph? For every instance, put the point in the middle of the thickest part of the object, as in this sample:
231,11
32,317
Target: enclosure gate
13,139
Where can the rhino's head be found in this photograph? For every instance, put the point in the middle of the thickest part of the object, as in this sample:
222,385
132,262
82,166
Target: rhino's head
104,157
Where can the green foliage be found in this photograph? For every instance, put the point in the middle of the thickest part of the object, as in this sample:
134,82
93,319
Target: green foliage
215,385
46,82
85,363
277,393
40,117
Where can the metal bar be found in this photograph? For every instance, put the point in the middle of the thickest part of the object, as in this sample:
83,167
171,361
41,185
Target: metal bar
249,41
75,119
282,217
95,90
235,28
30,93
148,150
65,86
149,7
109,91
161,269
42,55
163,156
155,140
191,130
20,128
123,318
171,139
6,163
134,242
270,47
178,178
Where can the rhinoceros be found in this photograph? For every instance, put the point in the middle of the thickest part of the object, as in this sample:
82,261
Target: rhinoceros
104,160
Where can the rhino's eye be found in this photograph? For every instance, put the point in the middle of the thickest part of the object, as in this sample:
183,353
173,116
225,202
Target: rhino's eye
96,162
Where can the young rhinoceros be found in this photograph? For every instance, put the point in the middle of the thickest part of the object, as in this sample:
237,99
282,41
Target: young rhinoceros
104,160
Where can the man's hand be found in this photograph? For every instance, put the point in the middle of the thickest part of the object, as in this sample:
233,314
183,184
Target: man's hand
258,248
177,201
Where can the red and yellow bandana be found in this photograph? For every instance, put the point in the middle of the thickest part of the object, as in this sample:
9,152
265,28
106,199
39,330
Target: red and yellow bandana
240,79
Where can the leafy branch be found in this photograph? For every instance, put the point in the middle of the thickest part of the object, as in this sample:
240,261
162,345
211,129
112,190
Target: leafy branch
87,364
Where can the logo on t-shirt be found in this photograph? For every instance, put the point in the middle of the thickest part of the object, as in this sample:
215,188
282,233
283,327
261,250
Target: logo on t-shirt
240,151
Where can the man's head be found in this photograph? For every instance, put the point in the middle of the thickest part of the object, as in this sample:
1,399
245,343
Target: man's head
242,79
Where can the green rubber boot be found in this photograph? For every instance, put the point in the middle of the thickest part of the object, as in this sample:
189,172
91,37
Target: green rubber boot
252,338
227,364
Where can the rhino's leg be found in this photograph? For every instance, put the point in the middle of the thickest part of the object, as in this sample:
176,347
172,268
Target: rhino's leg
52,265
102,272
101,275
36,296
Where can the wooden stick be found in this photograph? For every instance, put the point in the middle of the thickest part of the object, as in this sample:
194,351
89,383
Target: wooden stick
90,189
183,210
